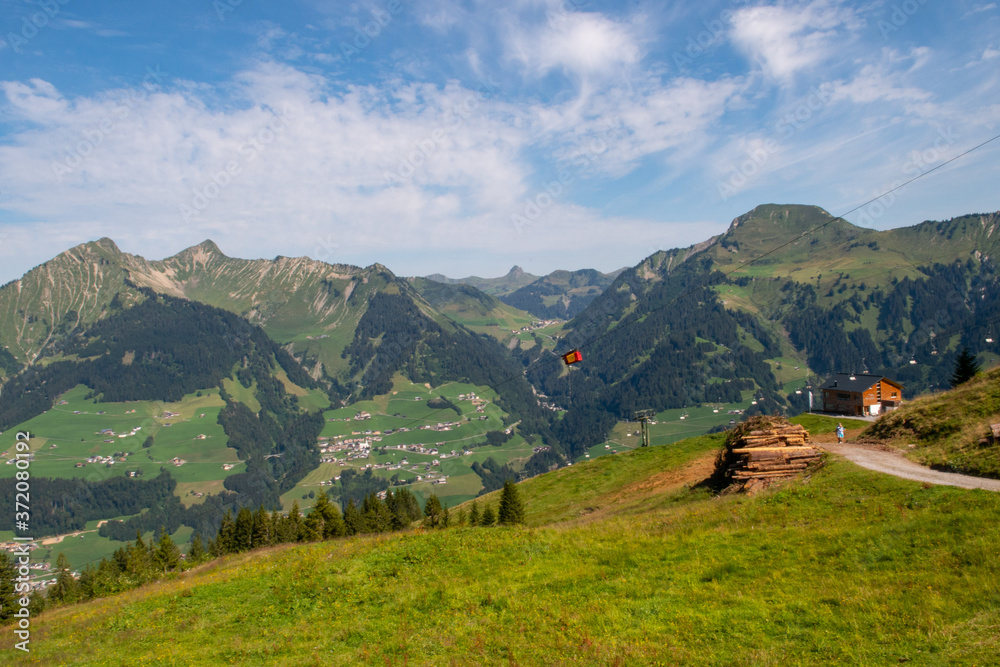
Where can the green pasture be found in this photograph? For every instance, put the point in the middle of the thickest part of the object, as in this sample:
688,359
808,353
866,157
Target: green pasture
846,566
69,433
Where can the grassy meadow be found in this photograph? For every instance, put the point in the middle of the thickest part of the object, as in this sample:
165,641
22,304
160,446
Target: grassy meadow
406,407
625,560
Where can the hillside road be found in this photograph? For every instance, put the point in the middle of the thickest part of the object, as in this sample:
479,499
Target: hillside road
893,463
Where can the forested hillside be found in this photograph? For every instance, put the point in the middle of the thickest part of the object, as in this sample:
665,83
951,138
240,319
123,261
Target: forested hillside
161,349
785,284
561,294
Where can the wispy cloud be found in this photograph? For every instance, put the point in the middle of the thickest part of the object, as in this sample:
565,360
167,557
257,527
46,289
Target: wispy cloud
786,39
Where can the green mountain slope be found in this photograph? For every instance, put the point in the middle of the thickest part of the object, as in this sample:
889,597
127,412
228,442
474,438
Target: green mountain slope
825,570
787,296
472,308
163,349
948,431
561,294
515,279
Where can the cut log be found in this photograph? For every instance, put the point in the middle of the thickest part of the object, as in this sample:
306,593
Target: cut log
747,450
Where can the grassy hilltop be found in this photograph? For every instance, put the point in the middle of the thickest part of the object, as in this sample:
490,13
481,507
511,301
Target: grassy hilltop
625,560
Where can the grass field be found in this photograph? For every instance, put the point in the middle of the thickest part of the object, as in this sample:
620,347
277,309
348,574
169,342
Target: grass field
625,561
405,410
86,547
70,433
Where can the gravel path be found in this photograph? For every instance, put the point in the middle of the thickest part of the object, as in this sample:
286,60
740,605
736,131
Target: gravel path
892,463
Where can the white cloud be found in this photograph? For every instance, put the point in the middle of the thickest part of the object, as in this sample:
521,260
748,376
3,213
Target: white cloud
786,39
578,43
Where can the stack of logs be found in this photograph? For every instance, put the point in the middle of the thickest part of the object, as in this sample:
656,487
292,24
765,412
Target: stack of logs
767,448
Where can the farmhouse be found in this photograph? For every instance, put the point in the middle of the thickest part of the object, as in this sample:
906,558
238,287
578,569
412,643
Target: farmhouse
865,395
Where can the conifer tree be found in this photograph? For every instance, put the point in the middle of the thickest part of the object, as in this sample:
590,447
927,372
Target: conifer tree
66,588
224,538
168,556
333,521
293,524
354,521
261,536
511,508
487,518
87,582
474,514
432,511
139,560
966,368
312,527
196,553
243,530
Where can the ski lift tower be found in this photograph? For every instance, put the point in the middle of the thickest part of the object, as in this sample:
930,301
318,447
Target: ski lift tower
643,416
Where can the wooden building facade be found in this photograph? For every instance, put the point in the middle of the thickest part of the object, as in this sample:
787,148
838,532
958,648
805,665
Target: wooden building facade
863,395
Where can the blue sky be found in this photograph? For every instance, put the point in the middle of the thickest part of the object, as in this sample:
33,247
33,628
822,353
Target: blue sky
465,137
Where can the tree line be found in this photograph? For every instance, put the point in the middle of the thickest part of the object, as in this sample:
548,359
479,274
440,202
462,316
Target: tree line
138,563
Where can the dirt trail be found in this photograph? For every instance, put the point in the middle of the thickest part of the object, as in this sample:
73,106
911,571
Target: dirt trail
893,463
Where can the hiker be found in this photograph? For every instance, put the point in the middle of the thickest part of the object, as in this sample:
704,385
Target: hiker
840,434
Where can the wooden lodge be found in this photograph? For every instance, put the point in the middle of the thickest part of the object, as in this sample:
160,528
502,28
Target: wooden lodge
862,395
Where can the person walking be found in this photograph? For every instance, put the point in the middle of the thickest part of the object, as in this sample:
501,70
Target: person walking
840,434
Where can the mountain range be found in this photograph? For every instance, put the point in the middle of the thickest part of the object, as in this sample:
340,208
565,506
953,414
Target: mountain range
749,319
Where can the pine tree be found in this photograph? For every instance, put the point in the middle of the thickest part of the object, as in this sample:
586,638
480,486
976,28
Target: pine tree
333,521
511,508
196,553
261,536
474,514
293,524
224,538
432,511
354,521
966,368
487,518
243,530
168,556
377,516
312,527
66,588
139,562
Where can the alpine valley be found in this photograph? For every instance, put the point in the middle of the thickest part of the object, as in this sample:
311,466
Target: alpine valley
160,394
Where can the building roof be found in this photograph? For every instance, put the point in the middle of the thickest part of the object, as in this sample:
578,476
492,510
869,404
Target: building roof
856,382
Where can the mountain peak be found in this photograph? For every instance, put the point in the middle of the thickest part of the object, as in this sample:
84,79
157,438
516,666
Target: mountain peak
208,246
103,244
515,272
201,253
